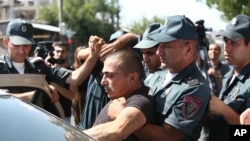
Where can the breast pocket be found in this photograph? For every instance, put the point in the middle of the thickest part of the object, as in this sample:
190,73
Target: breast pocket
165,99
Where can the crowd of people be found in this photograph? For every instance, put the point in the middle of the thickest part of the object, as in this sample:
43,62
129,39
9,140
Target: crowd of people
143,87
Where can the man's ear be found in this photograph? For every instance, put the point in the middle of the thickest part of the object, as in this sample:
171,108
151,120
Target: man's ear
133,76
188,50
5,42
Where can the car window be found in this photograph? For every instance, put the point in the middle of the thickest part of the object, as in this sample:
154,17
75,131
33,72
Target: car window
43,100
18,83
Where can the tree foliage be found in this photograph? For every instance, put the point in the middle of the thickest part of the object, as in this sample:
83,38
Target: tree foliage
140,25
92,17
85,17
230,8
49,14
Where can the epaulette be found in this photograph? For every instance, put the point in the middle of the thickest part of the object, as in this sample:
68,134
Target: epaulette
193,82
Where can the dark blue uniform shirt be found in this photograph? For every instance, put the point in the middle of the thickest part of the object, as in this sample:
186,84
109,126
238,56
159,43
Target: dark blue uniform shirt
236,94
183,102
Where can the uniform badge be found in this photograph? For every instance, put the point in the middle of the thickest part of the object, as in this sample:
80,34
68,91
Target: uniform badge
191,105
234,21
193,82
166,92
151,91
234,94
24,28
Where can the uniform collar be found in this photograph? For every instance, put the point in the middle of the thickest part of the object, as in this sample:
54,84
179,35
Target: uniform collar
10,65
186,71
8,61
245,72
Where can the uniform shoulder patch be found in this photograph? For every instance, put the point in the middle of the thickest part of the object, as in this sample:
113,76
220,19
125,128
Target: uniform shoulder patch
191,104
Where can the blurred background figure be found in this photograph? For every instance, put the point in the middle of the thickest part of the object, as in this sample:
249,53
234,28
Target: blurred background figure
79,99
60,55
44,50
217,69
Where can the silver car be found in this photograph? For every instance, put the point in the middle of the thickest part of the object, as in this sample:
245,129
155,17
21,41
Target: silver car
27,121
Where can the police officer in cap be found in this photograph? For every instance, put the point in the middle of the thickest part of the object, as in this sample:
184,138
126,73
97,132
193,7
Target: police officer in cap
181,106
154,70
234,95
19,40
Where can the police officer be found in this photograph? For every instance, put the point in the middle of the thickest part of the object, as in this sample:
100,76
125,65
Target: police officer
234,95
152,63
181,106
19,40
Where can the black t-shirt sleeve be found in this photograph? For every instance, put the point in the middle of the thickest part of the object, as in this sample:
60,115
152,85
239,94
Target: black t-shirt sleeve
59,75
143,103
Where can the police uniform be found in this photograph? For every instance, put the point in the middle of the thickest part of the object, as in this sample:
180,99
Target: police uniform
155,81
55,74
234,93
183,102
235,90
152,80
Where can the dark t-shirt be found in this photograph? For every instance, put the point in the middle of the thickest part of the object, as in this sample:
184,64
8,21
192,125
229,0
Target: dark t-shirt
138,99
65,102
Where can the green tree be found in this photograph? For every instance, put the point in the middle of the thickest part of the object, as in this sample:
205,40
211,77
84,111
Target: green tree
85,17
140,25
230,8
49,14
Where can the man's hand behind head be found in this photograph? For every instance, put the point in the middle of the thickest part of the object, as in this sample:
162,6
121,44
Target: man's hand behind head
116,106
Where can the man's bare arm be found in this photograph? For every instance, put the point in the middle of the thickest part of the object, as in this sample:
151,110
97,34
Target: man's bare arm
80,74
27,96
127,122
127,40
83,54
68,93
150,132
218,107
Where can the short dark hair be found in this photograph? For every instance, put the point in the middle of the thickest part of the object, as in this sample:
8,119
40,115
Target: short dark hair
247,41
59,43
130,61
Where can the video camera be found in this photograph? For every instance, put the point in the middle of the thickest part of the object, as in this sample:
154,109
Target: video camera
202,33
45,49
205,64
